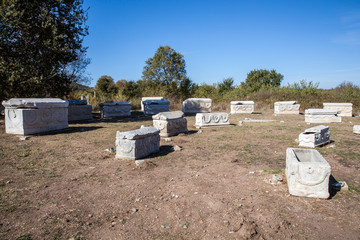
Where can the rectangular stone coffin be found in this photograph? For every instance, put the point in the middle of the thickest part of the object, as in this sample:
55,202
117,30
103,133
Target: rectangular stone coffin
137,143
79,110
26,116
197,105
211,119
345,108
118,109
149,98
315,136
286,107
170,123
322,116
356,129
307,173
152,107
241,107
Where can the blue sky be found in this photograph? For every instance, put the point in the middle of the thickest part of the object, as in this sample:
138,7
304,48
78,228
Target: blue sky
317,41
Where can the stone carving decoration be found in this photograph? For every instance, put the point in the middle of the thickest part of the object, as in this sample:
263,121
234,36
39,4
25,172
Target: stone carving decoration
241,107
211,119
118,109
27,116
345,108
152,107
79,110
315,136
286,107
170,123
149,98
307,173
356,129
137,143
197,105
322,116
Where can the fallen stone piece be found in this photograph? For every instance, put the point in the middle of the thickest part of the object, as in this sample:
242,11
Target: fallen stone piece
27,116
79,110
170,123
197,105
286,107
211,119
322,116
149,98
152,107
356,129
315,136
345,108
118,109
257,120
137,143
241,107
307,173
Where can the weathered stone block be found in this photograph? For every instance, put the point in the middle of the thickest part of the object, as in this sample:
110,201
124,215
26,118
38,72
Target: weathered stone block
118,109
197,105
322,116
170,123
211,119
345,108
149,98
286,107
137,143
315,136
241,107
307,173
152,107
356,129
35,115
79,110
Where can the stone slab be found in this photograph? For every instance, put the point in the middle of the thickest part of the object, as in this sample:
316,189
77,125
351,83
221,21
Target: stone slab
322,116
118,109
356,129
197,105
286,107
79,112
170,123
241,107
315,136
211,119
152,107
345,108
149,98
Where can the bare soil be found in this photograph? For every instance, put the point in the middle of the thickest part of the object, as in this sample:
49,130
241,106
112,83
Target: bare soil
64,185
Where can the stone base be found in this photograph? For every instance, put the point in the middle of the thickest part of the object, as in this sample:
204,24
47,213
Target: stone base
356,129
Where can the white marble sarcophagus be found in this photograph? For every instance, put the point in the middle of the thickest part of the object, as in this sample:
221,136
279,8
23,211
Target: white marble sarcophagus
149,98
356,129
152,107
118,109
307,173
286,107
313,115
241,107
35,115
137,143
196,105
170,123
79,110
345,108
211,119
315,136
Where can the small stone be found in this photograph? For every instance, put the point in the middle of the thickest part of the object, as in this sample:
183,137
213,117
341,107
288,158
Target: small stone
277,177
331,146
112,150
139,162
200,131
282,121
177,148
251,172
344,186
240,123
167,139
113,223
137,200
317,200
134,210
24,138
185,226
297,140
90,215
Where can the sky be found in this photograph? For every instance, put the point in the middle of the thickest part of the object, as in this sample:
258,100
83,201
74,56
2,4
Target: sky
317,40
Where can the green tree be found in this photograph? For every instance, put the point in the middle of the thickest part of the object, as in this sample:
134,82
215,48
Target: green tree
259,78
106,86
41,45
226,85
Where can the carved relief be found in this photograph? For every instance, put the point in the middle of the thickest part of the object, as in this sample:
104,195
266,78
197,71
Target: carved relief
246,107
286,107
315,136
211,119
170,123
197,105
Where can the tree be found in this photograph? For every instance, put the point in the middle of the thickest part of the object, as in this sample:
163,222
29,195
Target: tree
226,85
106,86
256,79
41,47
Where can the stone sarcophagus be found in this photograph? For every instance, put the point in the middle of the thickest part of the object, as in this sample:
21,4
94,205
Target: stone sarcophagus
137,143
152,107
286,107
356,129
322,115
118,109
197,105
241,107
26,116
149,98
211,119
307,173
345,108
79,110
315,136
170,123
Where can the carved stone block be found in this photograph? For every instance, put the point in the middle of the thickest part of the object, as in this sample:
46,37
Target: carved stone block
170,123
79,110
149,98
307,173
286,107
197,105
345,108
241,107
315,136
211,119
356,129
118,109
152,107
137,143
26,116
322,116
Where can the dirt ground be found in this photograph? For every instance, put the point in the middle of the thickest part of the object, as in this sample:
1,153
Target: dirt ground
64,185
